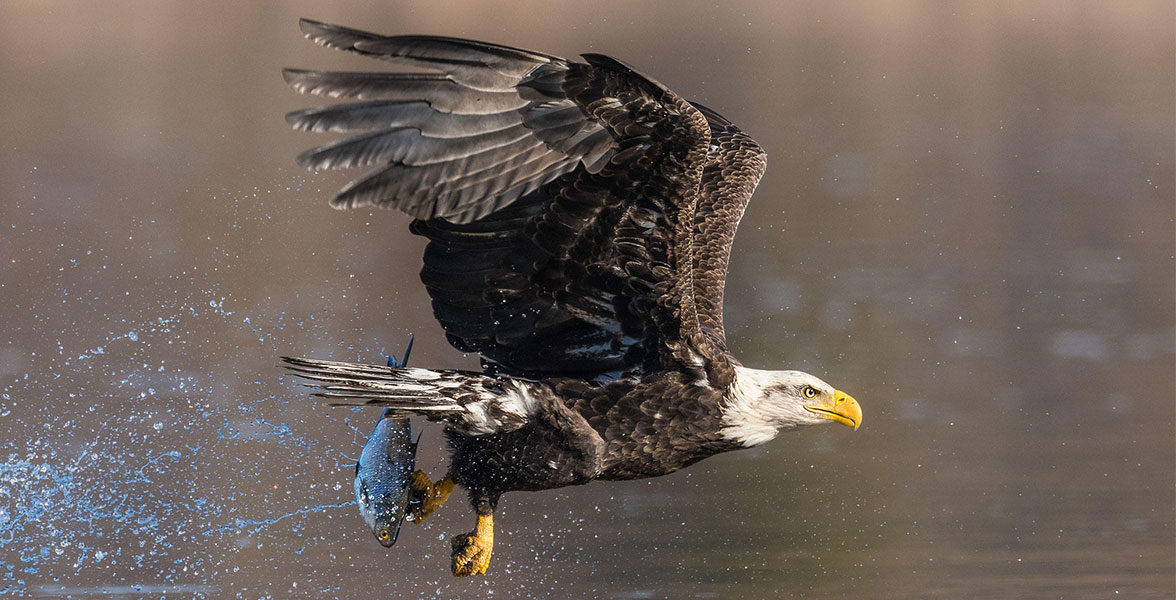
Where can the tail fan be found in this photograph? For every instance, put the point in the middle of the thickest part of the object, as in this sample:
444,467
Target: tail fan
471,402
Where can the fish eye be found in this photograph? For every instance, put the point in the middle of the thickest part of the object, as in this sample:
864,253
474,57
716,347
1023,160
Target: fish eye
383,534
809,392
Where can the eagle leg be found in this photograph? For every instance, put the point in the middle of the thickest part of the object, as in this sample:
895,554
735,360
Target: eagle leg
426,495
471,551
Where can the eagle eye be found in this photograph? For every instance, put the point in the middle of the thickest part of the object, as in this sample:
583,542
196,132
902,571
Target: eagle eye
809,392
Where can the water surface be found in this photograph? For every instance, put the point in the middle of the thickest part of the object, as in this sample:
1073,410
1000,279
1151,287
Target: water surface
967,223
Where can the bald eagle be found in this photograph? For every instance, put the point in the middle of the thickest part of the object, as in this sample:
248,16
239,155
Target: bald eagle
580,218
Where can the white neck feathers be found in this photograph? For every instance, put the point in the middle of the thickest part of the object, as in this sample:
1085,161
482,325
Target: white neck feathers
757,407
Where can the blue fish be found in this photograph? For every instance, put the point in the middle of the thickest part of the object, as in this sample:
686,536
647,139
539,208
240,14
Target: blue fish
384,470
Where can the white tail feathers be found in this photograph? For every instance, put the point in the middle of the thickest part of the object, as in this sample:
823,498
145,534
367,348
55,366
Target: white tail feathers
474,403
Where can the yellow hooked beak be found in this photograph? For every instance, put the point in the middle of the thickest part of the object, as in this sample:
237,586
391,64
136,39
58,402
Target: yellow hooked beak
843,409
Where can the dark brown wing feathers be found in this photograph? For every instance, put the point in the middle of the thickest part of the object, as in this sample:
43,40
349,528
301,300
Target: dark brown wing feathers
733,168
579,215
458,144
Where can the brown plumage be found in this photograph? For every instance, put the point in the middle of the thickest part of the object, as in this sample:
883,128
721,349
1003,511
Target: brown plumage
580,217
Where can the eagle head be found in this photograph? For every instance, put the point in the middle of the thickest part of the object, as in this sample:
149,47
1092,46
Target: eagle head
761,403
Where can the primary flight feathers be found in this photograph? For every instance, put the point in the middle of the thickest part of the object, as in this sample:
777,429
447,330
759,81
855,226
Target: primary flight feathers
581,213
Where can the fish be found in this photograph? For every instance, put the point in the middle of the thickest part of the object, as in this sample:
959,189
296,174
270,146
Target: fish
385,469
382,477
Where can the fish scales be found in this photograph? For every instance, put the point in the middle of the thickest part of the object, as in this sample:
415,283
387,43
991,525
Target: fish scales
384,470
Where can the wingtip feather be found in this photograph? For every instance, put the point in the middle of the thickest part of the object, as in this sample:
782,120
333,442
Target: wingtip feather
309,25
291,75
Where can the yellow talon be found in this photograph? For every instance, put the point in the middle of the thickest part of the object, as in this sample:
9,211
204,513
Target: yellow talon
428,496
471,552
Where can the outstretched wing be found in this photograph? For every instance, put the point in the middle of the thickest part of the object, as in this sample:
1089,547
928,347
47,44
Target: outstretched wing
734,165
456,145
560,198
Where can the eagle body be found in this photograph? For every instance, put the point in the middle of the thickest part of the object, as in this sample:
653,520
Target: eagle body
580,217
579,432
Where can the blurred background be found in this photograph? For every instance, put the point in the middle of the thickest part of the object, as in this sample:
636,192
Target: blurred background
967,223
